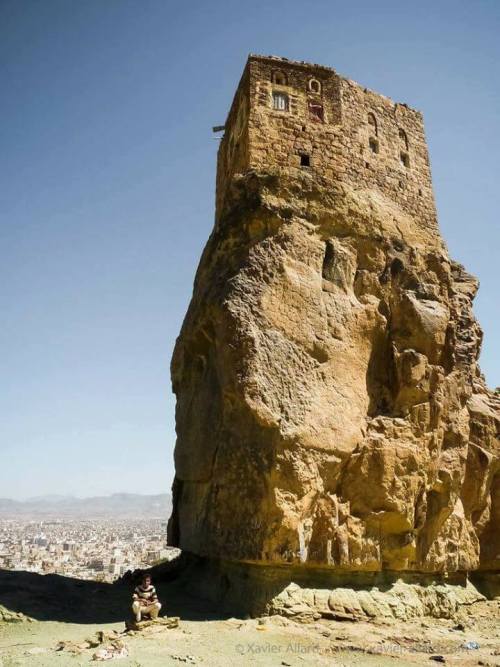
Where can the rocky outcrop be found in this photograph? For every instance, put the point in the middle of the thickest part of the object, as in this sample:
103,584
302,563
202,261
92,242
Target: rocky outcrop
9,616
402,601
330,410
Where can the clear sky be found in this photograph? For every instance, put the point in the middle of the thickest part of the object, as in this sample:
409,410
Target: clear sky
107,172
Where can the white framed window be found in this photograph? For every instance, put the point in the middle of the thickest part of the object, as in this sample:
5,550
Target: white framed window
280,101
314,86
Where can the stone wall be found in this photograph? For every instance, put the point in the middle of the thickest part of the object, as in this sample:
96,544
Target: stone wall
348,134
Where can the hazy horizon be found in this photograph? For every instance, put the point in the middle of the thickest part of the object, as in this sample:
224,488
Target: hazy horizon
73,496
108,174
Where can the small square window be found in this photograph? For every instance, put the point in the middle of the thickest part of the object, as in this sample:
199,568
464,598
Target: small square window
280,101
279,78
373,143
305,160
405,159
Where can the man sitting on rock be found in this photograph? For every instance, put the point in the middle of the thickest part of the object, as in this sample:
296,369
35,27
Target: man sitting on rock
145,601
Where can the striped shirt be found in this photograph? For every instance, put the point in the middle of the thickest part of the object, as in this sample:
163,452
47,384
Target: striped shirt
146,595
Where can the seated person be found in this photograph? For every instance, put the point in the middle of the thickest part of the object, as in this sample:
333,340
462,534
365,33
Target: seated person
145,600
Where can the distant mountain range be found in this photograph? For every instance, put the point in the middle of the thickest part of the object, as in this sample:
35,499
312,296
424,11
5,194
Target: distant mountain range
116,506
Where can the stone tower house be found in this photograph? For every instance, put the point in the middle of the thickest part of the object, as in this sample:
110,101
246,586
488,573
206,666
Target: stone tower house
288,116
331,415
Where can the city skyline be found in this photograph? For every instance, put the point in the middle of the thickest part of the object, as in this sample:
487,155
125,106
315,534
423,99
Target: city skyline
108,198
99,550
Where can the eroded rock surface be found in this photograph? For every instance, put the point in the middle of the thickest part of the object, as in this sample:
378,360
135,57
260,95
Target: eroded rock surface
330,409
402,601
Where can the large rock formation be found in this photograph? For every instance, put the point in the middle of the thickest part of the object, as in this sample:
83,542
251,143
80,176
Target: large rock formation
330,410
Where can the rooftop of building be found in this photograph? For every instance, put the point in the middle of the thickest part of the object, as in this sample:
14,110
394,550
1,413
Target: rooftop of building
315,67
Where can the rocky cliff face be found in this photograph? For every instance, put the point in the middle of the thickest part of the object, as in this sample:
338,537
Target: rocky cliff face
330,409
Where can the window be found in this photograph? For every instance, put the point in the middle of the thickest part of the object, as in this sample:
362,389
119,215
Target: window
280,101
373,143
403,148
372,122
279,78
316,111
373,128
314,86
305,160
403,139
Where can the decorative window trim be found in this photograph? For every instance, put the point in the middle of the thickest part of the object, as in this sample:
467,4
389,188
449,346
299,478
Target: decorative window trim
314,86
280,101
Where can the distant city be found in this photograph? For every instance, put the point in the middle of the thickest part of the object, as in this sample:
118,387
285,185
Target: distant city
93,538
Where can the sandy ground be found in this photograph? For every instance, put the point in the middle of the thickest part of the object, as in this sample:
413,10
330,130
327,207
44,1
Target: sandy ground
266,641
206,637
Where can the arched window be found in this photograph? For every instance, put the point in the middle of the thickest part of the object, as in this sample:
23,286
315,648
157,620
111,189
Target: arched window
403,139
314,86
372,122
280,101
279,78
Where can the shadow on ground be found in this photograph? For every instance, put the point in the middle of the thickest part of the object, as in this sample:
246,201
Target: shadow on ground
52,597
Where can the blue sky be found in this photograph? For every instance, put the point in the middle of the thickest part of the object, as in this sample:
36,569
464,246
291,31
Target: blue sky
107,172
